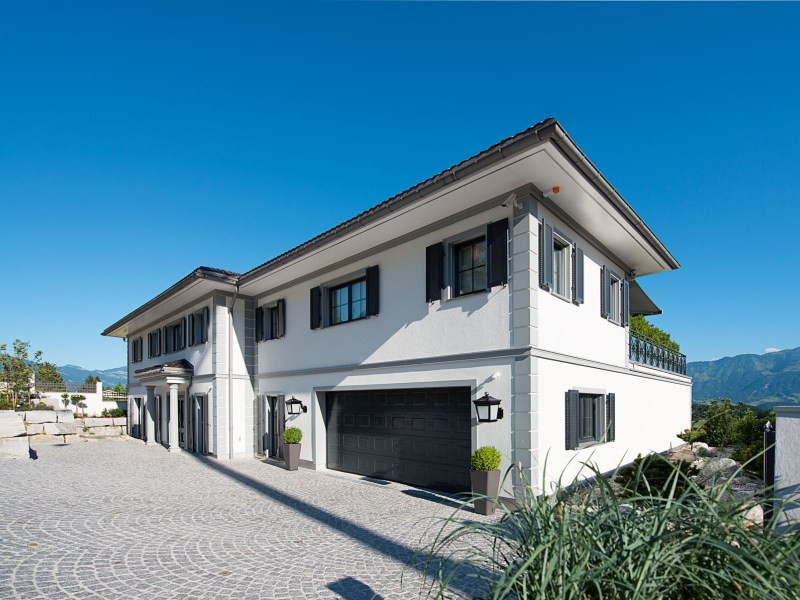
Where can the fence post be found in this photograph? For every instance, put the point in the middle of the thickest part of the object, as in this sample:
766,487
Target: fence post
769,468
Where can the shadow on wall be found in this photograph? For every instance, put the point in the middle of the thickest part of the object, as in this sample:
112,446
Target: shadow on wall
464,578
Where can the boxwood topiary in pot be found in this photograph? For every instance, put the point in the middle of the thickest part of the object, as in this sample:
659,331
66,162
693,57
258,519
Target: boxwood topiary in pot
291,447
485,476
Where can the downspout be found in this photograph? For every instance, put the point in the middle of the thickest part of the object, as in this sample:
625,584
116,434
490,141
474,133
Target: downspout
230,373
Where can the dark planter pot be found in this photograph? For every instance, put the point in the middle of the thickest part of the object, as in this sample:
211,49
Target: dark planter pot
484,483
291,455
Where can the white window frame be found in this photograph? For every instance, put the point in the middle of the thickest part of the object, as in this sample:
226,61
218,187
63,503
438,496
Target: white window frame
559,239
615,298
450,277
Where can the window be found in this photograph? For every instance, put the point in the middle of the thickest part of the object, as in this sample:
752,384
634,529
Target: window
562,265
174,336
198,327
136,350
614,304
590,418
270,321
348,302
470,267
154,343
591,425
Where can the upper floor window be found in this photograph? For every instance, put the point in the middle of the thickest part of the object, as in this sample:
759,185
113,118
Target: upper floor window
136,350
348,302
175,336
562,264
154,343
271,321
198,327
470,267
615,304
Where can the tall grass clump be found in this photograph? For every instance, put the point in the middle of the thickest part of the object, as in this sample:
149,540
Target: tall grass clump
669,539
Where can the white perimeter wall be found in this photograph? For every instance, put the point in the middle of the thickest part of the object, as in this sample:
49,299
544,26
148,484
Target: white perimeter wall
787,456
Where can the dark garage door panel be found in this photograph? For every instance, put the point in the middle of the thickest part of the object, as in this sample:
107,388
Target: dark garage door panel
416,436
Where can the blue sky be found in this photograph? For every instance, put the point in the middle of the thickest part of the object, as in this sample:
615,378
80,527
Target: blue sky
126,129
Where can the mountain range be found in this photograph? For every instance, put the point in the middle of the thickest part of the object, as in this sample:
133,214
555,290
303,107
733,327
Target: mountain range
764,380
109,377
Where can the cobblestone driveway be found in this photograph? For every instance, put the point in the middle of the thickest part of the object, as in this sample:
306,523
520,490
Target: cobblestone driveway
114,519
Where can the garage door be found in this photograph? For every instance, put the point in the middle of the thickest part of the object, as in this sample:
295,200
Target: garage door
416,436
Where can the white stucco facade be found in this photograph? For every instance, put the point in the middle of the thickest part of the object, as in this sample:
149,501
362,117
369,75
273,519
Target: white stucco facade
516,340
787,460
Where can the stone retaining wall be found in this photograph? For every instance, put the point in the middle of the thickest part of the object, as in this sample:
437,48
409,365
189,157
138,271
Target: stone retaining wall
20,431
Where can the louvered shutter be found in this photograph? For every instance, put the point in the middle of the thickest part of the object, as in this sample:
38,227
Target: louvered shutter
191,329
204,325
497,249
259,323
183,333
626,303
373,291
577,275
281,308
315,306
164,338
545,255
605,292
611,417
572,402
434,272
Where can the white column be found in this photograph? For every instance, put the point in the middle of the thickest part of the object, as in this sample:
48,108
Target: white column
173,418
150,416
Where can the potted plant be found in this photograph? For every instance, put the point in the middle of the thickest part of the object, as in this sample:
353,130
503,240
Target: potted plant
291,447
485,476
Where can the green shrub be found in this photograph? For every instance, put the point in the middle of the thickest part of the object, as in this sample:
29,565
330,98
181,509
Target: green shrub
641,326
590,543
6,405
293,435
649,475
40,406
485,458
113,412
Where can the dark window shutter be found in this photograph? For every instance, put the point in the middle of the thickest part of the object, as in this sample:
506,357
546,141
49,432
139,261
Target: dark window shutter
605,292
281,308
626,303
577,275
545,255
259,323
572,402
434,272
204,325
611,418
191,329
316,307
373,289
497,249
183,333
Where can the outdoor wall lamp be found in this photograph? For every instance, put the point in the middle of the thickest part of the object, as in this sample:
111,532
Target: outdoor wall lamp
488,409
295,407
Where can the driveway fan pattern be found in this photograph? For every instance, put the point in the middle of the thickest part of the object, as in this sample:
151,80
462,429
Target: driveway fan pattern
116,519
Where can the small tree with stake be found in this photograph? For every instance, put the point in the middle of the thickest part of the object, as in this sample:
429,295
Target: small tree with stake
78,402
65,399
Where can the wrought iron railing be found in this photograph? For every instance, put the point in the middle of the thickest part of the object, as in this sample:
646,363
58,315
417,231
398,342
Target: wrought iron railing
645,351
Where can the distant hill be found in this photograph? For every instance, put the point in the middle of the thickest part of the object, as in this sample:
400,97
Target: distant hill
109,377
764,380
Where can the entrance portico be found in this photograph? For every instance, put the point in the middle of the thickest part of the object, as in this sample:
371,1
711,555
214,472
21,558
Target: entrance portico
166,384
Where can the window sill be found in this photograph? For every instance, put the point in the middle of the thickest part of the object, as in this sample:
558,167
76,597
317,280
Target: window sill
563,298
329,325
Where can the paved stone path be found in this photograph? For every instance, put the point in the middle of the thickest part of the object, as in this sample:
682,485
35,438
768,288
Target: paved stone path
116,519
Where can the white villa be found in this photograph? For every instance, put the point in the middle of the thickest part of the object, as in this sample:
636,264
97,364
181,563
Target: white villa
511,274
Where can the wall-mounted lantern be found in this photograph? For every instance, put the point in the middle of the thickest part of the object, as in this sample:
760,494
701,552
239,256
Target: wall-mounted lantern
488,409
295,407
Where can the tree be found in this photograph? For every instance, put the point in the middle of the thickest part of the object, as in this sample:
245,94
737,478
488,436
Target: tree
47,373
120,389
17,368
65,399
91,380
718,423
643,327
78,402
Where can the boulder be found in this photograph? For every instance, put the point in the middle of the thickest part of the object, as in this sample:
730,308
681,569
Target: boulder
16,447
708,452
60,428
98,422
41,416
34,428
109,431
754,517
717,469
700,463
65,416
11,424
685,454
120,421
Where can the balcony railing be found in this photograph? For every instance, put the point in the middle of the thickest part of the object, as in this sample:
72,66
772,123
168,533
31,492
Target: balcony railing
645,351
